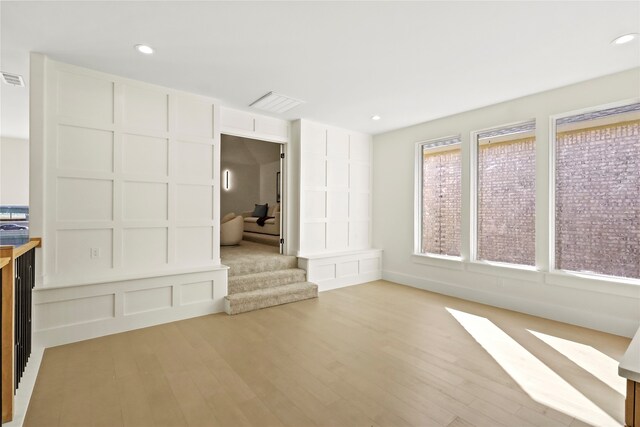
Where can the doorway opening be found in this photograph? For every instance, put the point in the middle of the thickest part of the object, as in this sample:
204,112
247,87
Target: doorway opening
251,196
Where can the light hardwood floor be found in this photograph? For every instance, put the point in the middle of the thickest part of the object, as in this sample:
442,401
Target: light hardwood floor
377,354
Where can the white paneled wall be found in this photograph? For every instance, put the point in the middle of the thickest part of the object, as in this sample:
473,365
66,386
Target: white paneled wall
126,199
331,271
131,178
67,314
335,189
256,126
335,206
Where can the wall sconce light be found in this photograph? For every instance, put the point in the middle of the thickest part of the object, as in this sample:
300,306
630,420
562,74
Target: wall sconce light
227,180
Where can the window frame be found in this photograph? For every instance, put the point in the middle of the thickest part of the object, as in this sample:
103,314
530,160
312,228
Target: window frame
417,200
566,277
473,214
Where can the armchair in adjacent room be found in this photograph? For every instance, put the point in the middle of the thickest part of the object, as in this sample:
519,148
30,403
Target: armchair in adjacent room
231,229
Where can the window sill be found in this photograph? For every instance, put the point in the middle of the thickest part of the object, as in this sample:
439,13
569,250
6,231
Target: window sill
514,271
586,282
442,261
592,282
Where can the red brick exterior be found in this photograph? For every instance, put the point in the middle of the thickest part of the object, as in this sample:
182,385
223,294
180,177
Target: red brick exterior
441,202
506,202
598,200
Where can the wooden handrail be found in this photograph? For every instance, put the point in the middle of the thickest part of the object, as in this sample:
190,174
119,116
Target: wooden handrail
16,251
8,255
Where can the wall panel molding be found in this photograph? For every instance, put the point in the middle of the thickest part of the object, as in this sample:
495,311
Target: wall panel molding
122,155
70,314
254,126
332,271
335,189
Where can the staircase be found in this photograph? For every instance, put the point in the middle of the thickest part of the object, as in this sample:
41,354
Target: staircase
265,281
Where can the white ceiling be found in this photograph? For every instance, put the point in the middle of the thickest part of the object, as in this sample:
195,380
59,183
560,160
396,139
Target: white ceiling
409,62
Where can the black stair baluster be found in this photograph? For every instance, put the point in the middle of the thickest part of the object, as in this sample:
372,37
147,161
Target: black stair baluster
24,284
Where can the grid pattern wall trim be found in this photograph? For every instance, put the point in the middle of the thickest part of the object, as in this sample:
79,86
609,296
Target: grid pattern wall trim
131,175
335,189
67,314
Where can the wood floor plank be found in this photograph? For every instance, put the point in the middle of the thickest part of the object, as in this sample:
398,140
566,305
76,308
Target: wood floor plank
193,405
134,405
281,406
373,355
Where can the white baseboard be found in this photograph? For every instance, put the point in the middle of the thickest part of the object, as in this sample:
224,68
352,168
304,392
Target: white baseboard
332,271
572,315
343,282
70,314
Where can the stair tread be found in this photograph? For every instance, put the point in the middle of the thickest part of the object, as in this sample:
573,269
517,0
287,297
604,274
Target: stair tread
259,264
269,273
270,297
274,291
265,279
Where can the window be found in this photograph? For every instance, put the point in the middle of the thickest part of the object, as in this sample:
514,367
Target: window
441,196
506,194
597,192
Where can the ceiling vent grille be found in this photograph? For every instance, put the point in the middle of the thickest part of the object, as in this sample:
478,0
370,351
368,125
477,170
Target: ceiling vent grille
275,103
12,79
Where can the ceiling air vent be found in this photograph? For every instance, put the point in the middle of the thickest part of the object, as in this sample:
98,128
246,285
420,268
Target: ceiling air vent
275,103
12,79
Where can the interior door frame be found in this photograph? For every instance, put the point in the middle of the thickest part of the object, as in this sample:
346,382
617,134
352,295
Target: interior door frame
284,183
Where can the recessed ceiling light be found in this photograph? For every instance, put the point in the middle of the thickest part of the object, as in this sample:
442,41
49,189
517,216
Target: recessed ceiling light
376,117
143,48
626,38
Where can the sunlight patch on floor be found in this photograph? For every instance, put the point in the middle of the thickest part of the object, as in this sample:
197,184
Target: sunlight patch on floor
538,380
598,364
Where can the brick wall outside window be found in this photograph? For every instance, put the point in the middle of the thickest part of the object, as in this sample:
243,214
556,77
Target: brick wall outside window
506,202
598,200
441,200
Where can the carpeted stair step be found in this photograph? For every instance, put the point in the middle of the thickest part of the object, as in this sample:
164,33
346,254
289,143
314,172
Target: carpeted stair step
265,279
265,239
269,297
252,264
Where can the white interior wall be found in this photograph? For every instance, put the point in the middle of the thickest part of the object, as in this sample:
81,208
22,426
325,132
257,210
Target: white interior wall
610,306
125,189
244,190
131,173
335,189
335,206
14,171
